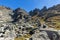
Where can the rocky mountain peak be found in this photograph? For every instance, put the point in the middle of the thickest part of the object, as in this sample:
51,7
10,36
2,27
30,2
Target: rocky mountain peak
20,10
20,14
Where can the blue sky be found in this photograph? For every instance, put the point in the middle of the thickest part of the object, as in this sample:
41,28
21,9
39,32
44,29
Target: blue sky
28,4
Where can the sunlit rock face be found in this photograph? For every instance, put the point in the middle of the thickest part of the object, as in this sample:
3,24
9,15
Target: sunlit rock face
5,23
4,14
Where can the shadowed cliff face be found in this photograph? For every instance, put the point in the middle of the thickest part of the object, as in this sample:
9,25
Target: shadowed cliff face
20,14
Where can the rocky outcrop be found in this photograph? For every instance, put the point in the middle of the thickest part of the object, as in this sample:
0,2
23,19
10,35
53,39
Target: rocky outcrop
20,14
46,35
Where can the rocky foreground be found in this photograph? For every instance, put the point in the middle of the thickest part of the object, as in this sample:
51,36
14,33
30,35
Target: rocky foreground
19,25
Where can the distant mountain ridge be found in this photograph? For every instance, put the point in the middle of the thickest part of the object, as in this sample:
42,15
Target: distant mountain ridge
50,16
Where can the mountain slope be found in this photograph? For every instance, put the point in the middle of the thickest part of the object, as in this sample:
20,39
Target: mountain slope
50,16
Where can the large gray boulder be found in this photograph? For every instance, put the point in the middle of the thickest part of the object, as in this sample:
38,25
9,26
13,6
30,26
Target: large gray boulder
46,35
40,36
